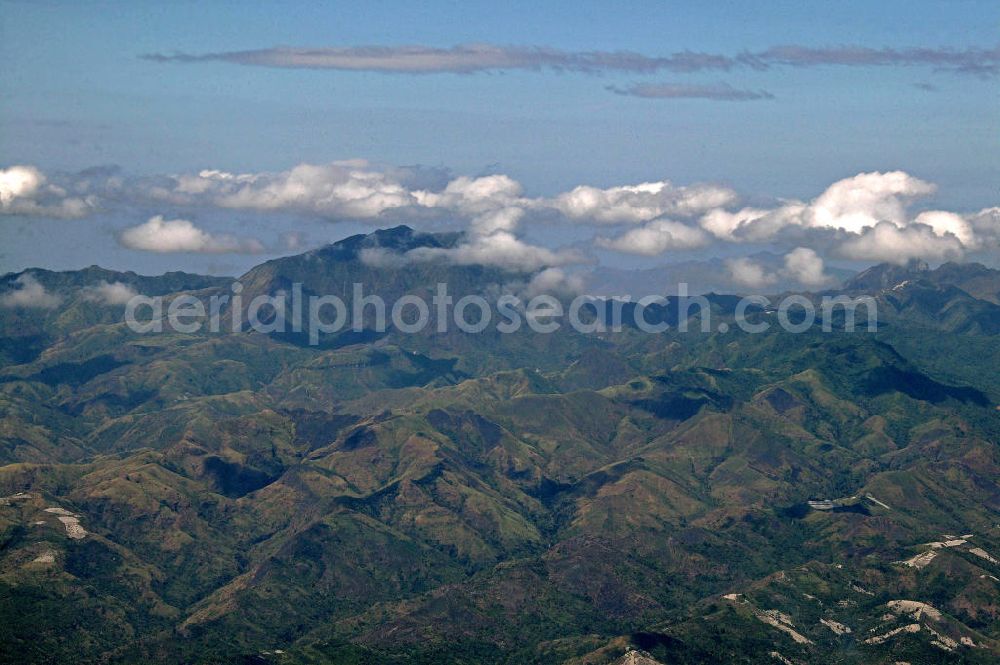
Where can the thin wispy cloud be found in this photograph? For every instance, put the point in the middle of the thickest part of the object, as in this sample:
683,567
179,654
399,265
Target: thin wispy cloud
977,61
718,92
472,58
461,59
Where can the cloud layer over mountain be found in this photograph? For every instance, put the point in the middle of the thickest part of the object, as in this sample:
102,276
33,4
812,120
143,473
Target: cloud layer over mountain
867,217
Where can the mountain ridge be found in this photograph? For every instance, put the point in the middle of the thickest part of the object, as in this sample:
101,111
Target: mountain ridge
569,498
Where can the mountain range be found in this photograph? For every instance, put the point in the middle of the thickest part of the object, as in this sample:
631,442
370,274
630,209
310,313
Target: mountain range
382,497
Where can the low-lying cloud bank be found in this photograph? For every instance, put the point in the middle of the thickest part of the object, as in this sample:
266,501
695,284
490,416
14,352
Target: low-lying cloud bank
29,292
109,293
26,292
866,217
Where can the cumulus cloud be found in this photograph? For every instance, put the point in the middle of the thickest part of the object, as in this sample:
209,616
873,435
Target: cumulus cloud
19,182
24,190
501,249
639,203
471,58
746,272
501,219
492,207
657,237
802,266
985,226
852,204
29,293
719,92
750,224
487,204
806,267
944,223
869,212
336,190
353,190
473,194
846,219
109,293
180,235
888,242
873,209
866,199
492,203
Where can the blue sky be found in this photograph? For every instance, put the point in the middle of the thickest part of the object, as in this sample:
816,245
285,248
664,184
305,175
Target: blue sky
77,94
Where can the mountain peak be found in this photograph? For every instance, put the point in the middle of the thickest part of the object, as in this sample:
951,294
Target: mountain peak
974,278
400,239
394,236
886,275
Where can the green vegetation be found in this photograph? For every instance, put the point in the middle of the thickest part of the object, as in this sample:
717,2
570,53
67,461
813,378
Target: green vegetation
500,498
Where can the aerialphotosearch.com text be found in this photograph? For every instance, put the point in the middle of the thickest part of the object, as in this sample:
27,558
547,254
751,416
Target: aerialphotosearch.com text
314,316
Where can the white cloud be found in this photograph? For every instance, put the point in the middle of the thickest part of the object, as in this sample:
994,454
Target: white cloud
750,224
379,257
985,226
852,204
24,190
944,222
555,282
866,217
805,267
354,190
180,235
801,265
888,242
334,190
657,237
492,203
745,272
501,249
19,182
861,202
109,293
502,219
845,219
869,212
29,293
473,194
639,203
